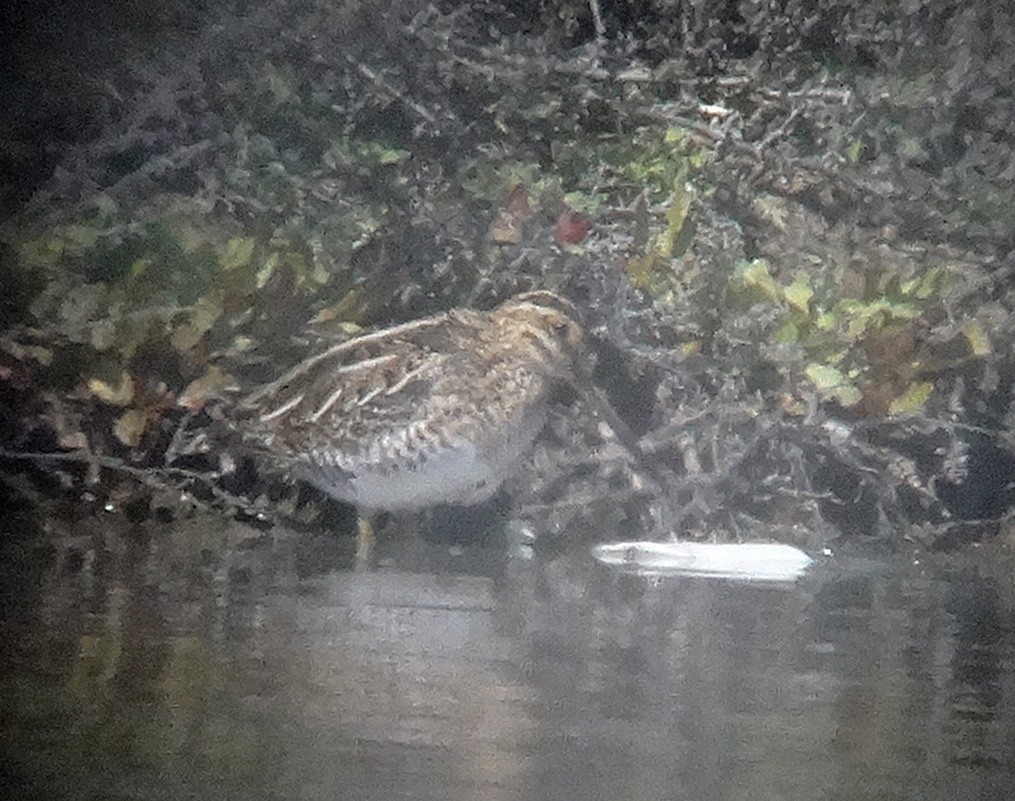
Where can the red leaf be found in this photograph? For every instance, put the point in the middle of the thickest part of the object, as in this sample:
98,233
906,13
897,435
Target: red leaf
571,227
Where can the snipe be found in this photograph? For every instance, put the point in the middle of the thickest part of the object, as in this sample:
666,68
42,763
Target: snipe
434,411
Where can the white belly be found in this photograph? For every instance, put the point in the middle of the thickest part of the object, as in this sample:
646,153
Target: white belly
459,474
456,475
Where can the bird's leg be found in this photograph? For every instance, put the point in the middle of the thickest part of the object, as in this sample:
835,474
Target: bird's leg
663,511
364,540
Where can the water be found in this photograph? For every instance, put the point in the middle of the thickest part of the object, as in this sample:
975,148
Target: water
204,659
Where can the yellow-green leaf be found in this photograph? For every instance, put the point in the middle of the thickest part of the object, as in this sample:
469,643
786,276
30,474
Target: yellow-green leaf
389,155
860,316
798,294
140,266
584,202
675,136
643,270
833,383
913,399
238,253
979,339
847,395
824,377
924,286
268,267
676,215
825,322
206,312
786,334
755,274
78,238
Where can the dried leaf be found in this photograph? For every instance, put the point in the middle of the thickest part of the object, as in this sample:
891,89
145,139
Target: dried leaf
509,224
104,335
119,395
213,384
571,228
73,441
348,308
644,269
130,427
38,353
81,304
206,311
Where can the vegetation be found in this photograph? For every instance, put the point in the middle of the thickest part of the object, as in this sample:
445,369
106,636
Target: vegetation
794,228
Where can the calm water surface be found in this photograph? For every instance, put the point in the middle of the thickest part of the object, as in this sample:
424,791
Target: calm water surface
204,659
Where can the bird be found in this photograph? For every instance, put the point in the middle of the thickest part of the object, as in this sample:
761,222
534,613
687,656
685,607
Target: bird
435,411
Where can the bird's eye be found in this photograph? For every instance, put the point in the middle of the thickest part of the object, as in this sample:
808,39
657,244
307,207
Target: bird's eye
562,332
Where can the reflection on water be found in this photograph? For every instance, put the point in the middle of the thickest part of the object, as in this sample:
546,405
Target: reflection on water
209,660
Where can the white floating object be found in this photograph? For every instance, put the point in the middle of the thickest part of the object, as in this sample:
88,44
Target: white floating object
741,561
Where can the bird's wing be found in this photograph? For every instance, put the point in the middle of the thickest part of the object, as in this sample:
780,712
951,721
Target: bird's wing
362,388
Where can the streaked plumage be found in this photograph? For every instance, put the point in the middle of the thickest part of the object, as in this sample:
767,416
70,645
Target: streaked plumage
434,411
